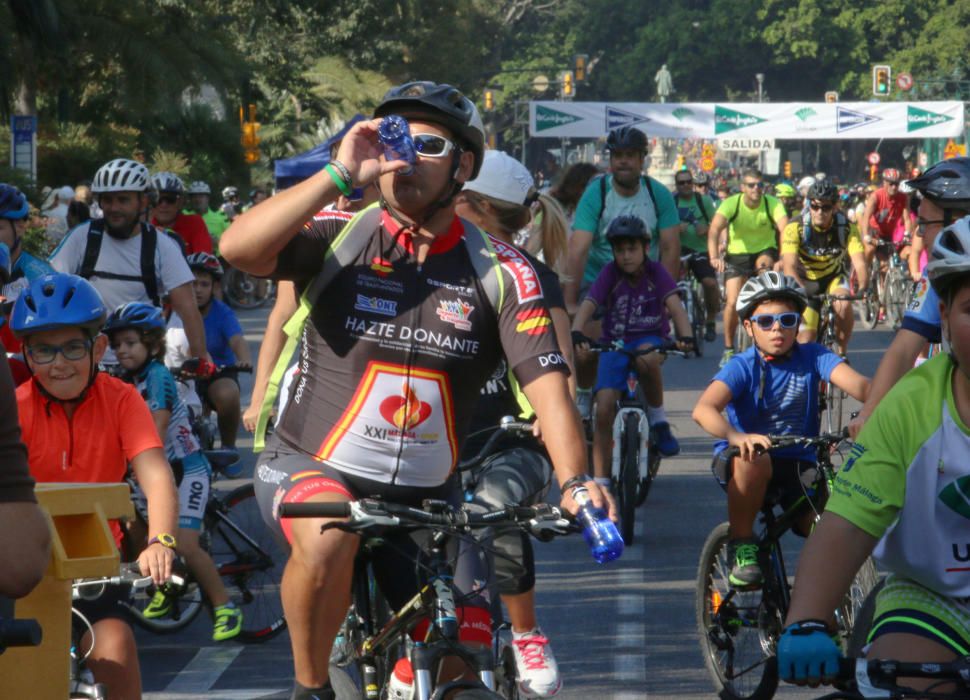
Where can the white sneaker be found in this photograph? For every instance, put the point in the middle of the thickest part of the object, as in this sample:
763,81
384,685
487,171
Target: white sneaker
536,666
584,402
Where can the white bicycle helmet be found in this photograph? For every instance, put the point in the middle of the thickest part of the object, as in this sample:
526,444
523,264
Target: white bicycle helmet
168,182
198,187
805,183
769,285
229,192
950,258
120,175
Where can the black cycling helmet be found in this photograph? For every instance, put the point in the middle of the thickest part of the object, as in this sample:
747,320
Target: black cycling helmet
946,184
627,137
702,179
627,227
441,104
824,191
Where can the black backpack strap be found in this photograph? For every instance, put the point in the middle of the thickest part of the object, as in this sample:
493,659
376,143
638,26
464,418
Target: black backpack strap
92,248
700,205
149,244
602,199
737,209
653,199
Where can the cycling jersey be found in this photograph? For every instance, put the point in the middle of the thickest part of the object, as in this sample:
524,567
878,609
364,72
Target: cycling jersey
821,253
698,208
109,428
923,314
595,212
192,229
887,217
751,230
777,397
393,357
633,310
907,481
157,386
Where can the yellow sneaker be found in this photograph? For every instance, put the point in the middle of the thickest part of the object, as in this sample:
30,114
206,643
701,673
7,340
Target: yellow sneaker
160,606
228,623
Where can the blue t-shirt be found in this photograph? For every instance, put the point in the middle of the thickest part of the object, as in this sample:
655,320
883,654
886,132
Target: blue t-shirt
221,324
157,386
786,402
923,315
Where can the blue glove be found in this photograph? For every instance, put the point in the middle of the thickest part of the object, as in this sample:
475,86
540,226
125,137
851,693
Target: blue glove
806,653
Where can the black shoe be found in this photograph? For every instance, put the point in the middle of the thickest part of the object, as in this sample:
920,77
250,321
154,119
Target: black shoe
322,693
710,335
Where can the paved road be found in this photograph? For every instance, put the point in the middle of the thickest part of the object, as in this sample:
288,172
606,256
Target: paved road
624,630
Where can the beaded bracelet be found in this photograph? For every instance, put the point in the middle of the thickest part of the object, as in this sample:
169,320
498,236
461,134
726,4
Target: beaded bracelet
344,172
341,184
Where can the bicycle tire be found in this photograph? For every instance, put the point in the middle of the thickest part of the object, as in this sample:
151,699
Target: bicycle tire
653,467
896,293
862,625
251,576
742,341
185,609
242,291
834,398
506,675
698,322
852,612
726,628
629,476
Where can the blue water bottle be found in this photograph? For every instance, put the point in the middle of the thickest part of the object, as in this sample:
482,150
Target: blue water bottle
600,532
395,135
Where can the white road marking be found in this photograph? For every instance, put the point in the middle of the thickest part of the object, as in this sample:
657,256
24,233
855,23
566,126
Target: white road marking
630,576
631,635
202,672
631,605
629,668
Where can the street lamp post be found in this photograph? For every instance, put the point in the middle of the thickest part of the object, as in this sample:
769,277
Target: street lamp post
760,77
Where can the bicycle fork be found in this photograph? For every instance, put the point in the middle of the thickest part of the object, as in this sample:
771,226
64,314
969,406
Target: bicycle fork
643,427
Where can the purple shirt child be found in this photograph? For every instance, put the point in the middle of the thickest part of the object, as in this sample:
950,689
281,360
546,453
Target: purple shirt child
631,312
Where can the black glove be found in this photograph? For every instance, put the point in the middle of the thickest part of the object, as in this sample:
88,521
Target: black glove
580,339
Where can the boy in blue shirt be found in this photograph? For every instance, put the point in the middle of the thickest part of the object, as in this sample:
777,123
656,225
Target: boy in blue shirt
636,296
226,344
771,388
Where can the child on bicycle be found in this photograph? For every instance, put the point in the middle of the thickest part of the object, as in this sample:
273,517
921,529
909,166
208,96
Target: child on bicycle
226,344
636,297
771,388
82,426
902,496
137,334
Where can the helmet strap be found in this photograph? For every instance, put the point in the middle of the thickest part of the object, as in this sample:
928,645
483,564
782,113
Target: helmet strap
448,193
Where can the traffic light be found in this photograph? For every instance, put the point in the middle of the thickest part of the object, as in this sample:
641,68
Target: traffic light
568,87
579,67
680,163
831,96
788,169
250,141
881,76
489,100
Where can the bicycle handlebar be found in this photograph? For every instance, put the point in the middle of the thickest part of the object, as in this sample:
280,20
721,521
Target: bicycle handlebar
778,441
659,349
507,424
543,520
873,675
19,633
188,370
129,575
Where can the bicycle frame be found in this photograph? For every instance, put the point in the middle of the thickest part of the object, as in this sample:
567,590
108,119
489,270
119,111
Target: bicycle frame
630,403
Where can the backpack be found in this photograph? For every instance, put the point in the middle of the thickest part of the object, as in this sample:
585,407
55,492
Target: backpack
699,201
644,180
344,249
764,201
149,242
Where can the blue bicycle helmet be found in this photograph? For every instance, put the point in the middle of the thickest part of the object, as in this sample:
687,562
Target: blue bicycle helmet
13,203
58,300
138,315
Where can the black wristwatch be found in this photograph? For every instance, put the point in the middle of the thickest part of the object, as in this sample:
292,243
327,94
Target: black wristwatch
575,482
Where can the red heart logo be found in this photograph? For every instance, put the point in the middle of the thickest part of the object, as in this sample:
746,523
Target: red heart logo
406,411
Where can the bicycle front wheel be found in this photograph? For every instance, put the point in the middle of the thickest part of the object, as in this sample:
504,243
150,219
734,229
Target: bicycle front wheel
698,322
833,407
737,628
853,613
184,608
250,560
244,291
629,476
896,297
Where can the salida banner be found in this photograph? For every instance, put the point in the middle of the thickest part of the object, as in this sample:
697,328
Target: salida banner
768,120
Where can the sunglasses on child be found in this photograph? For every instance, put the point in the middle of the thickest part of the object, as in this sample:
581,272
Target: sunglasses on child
788,319
71,350
432,145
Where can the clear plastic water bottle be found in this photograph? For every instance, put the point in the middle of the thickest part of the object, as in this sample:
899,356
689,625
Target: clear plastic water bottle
601,534
394,133
400,686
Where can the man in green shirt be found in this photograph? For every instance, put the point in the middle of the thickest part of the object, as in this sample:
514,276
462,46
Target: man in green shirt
215,221
696,211
754,222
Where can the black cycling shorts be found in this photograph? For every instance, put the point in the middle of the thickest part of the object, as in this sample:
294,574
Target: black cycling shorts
700,264
814,289
104,607
286,475
743,264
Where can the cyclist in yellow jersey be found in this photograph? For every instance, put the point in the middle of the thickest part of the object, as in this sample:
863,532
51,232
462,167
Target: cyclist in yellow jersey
813,251
754,222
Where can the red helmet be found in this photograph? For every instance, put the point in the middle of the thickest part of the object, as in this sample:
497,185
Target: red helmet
891,175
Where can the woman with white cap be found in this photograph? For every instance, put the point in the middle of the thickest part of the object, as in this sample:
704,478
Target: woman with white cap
500,201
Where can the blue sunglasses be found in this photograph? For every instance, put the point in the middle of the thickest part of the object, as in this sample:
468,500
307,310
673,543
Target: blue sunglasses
787,319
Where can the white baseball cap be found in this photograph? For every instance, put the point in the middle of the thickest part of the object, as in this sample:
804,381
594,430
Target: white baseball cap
806,182
65,193
504,178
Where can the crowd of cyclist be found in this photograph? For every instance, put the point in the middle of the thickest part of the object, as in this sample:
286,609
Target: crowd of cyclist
459,294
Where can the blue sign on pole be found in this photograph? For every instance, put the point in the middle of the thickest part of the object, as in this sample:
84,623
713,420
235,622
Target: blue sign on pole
23,149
